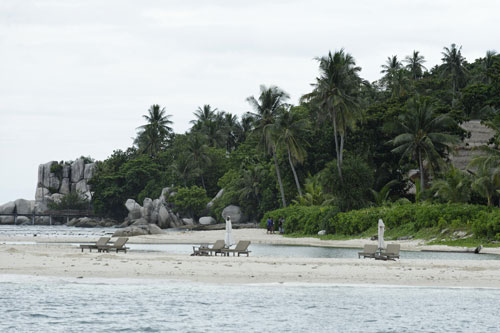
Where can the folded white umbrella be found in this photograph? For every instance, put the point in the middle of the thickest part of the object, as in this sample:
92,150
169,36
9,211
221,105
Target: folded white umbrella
381,229
228,237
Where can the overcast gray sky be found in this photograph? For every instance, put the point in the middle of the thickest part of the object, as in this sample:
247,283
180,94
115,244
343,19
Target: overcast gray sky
76,76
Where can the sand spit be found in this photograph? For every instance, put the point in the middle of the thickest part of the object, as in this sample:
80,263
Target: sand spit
66,260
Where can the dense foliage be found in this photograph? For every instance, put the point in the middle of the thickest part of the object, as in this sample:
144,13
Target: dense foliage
73,201
190,201
349,144
483,221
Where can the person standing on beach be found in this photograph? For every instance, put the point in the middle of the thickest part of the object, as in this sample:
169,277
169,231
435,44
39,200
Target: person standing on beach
272,225
281,221
269,223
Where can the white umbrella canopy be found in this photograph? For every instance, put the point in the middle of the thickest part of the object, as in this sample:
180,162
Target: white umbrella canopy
228,237
381,229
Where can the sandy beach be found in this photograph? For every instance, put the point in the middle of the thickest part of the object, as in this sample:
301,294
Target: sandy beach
59,258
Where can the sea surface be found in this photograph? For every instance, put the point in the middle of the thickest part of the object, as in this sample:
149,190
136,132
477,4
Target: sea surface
37,304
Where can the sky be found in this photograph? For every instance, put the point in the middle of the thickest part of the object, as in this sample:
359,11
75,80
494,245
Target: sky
77,76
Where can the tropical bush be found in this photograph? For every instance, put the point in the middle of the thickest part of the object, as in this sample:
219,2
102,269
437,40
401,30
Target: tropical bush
190,201
302,219
484,221
71,200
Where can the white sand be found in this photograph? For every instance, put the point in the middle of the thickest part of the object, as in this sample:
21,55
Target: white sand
66,260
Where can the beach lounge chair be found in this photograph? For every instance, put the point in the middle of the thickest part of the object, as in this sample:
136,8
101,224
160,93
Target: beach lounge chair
118,245
241,248
100,242
369,251
391,252
205,250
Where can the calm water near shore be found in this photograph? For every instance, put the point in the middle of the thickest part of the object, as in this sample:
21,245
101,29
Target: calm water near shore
113,305
263,250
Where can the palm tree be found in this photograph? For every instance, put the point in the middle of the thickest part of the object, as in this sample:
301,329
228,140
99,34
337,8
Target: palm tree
336,93
400,83
290,127
314,195
454,65
487,182
414,64
389,69
391,65
266,108
153,135
204,114
197,154
454,187
231,127
488,62
423,135
382,196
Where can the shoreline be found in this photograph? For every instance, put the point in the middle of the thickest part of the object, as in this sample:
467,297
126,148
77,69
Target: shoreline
255,235
63,260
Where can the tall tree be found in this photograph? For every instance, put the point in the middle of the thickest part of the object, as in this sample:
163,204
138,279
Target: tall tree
290,129
414,64
204,114
336,92
423,136
487,63
454,66
153,135
197,154
266,109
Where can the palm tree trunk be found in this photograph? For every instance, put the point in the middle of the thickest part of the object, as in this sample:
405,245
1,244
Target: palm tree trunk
337,150
294,172
203,182
421,167
341,153
279,178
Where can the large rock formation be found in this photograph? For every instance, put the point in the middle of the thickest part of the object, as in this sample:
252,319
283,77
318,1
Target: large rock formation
235,213
60,178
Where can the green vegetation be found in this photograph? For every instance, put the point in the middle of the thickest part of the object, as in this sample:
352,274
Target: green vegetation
190,201
71,200
418,220
349,153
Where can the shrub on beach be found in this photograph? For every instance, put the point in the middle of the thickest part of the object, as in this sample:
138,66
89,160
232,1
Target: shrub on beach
190,201
302,219
483,221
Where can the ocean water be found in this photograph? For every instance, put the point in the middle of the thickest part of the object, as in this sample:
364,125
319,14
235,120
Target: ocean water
121,305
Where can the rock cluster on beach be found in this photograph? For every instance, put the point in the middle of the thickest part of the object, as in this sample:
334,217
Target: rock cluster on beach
55,179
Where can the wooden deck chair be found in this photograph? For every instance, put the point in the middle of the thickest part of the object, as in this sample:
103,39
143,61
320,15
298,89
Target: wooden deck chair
205,250
118,245
100,242
369,251
392,252
241,248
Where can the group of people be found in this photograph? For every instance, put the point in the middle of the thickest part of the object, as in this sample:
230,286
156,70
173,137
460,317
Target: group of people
271,227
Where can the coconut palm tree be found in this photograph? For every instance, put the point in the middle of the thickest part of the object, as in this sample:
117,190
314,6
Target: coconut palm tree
454,66
197,154
487,182
266,108
290,128
487,63
414,64
454,187
389,69
204,114
336,93
423,136
153,135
